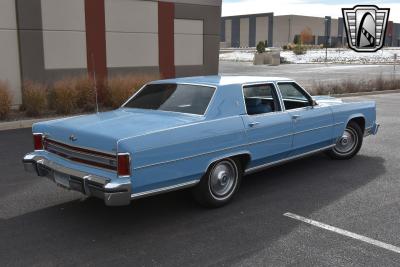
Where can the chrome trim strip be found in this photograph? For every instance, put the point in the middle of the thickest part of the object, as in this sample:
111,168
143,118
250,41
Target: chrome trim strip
269,139
49,137
270,164
232,147
188,157
164,189
81,152
318,128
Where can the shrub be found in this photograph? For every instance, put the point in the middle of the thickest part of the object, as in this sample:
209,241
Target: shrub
119,88
299,50
306,36
260,47
85,93
5,100
34,98
64,96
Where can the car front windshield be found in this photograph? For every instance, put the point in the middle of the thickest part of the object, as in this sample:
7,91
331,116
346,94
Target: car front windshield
184,98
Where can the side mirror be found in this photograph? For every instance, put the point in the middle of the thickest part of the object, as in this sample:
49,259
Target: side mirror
314,103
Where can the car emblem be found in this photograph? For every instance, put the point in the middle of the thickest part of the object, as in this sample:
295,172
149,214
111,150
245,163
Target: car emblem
365,27
72,138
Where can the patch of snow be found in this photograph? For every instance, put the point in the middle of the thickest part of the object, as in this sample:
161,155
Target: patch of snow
244,56
335,55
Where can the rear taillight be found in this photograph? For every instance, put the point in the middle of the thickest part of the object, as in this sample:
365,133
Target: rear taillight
38,141
124,164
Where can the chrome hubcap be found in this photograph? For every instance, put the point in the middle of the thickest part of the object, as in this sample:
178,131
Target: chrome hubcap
347,143
223,179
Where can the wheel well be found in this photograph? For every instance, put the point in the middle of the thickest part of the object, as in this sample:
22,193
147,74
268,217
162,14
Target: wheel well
244,160
360,121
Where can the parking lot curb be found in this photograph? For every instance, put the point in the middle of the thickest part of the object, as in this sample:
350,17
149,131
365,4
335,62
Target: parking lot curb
21,124
368,93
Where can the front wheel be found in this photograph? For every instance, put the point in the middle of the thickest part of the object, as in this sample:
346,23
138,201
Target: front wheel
219,184
349,143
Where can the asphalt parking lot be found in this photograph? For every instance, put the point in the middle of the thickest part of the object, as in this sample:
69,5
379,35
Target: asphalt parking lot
308,74
43,225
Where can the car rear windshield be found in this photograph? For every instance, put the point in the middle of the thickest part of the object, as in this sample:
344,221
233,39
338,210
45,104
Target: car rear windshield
192,99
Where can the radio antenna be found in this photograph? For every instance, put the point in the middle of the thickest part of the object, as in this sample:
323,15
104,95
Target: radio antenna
95,84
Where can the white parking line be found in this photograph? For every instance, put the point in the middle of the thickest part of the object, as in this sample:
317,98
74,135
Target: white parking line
344,232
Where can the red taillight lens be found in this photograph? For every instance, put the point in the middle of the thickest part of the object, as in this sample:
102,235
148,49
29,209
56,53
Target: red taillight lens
124,164
38,141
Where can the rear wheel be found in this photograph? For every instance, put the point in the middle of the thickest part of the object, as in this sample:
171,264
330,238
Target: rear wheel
219,185
349,143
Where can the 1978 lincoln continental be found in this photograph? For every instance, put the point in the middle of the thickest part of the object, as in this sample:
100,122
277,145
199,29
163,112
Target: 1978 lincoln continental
201,132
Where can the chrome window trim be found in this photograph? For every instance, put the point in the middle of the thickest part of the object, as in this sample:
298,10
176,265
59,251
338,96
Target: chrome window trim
164,189
192,84
262,83
270,164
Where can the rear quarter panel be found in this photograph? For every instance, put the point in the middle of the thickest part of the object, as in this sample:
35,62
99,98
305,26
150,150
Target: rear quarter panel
183,154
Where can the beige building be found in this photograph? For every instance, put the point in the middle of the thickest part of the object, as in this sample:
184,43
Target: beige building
45,40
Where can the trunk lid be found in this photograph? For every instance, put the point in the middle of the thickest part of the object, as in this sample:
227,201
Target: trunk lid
103,130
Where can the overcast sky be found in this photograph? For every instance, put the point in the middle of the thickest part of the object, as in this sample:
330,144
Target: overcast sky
303,7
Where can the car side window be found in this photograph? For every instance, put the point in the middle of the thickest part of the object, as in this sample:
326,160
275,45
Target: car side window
294,96
260,99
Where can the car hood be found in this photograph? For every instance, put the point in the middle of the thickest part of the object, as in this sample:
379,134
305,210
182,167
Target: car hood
327,100
102,131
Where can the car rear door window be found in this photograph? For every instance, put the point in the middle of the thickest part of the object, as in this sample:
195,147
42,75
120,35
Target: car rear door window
261,99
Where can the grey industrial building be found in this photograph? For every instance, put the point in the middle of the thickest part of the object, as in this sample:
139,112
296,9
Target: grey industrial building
248,30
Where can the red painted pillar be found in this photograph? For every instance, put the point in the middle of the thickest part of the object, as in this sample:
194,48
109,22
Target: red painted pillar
166,14
96,42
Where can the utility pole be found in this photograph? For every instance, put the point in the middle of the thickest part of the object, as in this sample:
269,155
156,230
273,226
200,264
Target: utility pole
326,40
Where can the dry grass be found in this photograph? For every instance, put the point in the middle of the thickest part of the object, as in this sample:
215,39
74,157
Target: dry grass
355,86
86,95
119,88
5,100
64,96
34,98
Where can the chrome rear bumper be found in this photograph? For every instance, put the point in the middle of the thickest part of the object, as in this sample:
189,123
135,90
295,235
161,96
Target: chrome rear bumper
115,192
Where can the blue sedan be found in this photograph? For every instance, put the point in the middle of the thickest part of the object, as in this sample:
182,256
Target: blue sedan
200,132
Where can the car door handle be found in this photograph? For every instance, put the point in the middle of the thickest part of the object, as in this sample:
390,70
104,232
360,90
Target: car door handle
253,123
296,116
